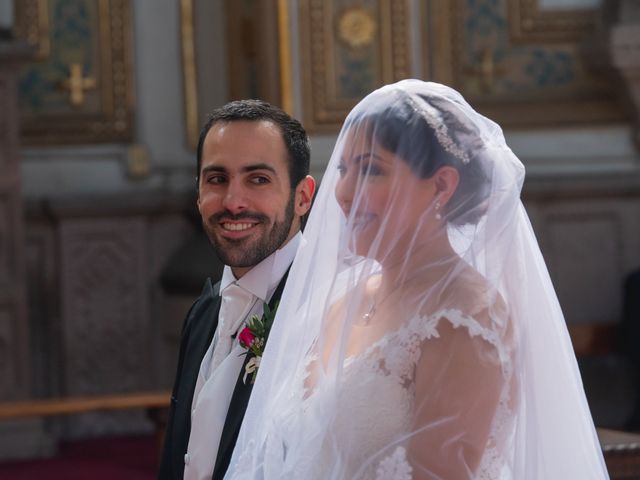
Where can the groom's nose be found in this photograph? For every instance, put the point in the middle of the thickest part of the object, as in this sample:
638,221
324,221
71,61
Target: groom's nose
235,198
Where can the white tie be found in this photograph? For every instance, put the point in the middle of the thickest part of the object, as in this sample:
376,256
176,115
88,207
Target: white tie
236,304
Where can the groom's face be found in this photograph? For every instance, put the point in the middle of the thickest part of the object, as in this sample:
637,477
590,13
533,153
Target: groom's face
244,194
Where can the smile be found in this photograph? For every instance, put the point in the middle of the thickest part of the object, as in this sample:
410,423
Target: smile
237,227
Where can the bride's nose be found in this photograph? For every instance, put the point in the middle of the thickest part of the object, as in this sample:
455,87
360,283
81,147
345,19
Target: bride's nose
344,193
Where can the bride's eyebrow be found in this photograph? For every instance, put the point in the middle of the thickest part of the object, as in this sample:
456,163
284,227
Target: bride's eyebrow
364,157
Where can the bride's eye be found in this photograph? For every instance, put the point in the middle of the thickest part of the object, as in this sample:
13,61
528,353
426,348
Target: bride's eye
342,169
371,169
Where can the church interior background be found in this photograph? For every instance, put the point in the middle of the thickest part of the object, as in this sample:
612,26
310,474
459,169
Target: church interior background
101,102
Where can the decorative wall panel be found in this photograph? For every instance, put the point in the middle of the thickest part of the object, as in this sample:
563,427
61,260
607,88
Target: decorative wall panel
32,25
104,305
349,48
97,313
43,289
536,21
105,318
520,63
587,283
13,328
79,89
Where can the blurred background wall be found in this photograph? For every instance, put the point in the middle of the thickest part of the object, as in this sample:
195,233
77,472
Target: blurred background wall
101,102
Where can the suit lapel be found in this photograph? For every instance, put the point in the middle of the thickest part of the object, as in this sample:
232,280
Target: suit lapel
238,405
235,415
196,335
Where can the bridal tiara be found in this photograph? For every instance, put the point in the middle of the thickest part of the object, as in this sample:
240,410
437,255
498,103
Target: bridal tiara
442,132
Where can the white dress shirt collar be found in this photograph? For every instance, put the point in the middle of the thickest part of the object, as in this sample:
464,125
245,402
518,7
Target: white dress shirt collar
263,278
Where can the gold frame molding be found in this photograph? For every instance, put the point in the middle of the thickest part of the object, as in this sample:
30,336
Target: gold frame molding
114,119
284,39
32,25
189,73
529,23
356,27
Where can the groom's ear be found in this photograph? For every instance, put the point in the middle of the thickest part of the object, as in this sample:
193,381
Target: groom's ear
446,181
304,195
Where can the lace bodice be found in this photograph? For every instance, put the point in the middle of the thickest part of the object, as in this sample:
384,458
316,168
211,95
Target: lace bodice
376,399
377,395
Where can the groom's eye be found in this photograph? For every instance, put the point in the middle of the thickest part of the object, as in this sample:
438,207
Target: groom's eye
259,180
216,179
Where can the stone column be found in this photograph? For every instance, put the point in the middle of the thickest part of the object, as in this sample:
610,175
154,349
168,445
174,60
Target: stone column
20,438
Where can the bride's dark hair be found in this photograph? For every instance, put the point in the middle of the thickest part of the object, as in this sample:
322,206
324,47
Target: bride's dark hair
401,127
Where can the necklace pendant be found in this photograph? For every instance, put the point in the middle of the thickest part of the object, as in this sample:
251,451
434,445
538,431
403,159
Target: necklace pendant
369,315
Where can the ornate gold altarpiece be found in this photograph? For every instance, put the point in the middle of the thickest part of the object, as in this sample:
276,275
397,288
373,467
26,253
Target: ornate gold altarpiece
523,63
520,62
79,87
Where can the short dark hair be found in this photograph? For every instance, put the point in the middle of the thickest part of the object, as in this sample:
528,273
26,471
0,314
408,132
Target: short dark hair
293,133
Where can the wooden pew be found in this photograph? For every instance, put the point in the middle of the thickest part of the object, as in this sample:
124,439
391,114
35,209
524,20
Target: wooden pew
621,453
621,450
155,403
73,405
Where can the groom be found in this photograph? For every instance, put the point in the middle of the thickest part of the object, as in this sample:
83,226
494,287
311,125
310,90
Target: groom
253,190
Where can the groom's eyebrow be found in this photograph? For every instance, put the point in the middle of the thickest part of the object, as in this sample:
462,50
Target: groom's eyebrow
259,166
213,168
245,169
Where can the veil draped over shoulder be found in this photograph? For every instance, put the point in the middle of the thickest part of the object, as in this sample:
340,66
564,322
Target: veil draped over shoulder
419,335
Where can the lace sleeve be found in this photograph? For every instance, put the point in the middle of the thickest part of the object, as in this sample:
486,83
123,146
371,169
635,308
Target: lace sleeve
395,466
461,378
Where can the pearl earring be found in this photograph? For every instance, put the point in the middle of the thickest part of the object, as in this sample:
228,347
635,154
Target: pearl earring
438,216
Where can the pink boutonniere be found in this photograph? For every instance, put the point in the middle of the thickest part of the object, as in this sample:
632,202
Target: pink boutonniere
253,338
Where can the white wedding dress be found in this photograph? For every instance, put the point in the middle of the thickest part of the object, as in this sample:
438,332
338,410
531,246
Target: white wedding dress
376,396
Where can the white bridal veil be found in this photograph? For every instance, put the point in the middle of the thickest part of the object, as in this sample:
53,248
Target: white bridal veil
419,335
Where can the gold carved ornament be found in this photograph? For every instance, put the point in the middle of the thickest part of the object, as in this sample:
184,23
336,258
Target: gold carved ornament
77,84
487,70
356,27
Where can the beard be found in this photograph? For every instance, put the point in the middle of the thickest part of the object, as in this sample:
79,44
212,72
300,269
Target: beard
247,252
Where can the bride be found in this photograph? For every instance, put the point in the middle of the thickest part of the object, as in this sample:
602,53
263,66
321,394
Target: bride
419,335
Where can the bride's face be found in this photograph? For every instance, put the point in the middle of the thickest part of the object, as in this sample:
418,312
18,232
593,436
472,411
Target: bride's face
384,201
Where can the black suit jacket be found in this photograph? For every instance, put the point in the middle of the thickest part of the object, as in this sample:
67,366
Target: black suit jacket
197,334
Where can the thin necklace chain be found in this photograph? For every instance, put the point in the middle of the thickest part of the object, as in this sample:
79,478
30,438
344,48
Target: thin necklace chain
376,304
